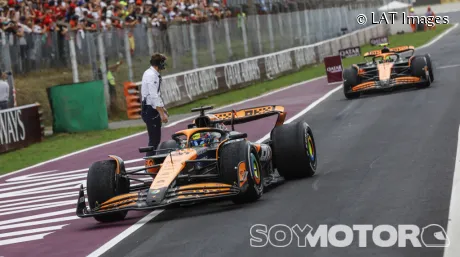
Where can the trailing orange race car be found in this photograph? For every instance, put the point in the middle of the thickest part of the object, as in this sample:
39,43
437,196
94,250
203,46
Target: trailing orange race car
205,161
387,70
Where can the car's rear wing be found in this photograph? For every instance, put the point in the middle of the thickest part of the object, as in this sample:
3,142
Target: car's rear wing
251,114
397,50
240,116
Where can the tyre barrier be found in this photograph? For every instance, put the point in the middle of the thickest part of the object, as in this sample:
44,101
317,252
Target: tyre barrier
133,102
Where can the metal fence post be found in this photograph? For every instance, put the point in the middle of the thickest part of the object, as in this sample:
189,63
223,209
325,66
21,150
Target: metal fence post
193,39
211,42
245,37
150,38
307,27
282,44
73,53
128,53
259,37
5,44
100,44
228,40
299,28
270,32
173,43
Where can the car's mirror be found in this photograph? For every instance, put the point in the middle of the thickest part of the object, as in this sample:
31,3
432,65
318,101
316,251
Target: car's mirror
238,136
145,149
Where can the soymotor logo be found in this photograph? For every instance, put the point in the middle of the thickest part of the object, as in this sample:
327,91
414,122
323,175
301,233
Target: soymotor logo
281,235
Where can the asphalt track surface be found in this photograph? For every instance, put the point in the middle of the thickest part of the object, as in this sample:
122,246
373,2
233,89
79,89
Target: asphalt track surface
383,159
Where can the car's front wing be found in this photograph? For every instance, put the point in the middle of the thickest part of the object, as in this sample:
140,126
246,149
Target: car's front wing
386,84
138,200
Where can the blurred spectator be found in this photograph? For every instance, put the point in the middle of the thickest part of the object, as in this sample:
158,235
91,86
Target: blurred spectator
4,91
45,13
38,30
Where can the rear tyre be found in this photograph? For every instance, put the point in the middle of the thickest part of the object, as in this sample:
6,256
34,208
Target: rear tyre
350,79
234,154
103,184
418,66
294,150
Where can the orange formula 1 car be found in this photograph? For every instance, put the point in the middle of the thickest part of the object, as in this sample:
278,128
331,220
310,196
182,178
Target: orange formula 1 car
387,70
205,161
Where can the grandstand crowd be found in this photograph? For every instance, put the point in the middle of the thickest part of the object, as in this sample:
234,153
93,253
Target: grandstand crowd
38,16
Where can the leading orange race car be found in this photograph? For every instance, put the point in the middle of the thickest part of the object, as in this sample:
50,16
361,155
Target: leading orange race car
203,162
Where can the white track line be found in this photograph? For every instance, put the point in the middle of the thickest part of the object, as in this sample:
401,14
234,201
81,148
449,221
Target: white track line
124,234
436,39
453,223
448,66
153,214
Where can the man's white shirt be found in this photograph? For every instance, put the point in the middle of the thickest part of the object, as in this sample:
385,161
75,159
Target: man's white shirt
4,91
149,88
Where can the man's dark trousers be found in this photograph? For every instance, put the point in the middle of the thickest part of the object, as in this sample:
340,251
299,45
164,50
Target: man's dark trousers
152,119
3,105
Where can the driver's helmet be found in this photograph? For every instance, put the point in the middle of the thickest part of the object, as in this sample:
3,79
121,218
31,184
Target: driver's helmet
385,49
388,59
205,139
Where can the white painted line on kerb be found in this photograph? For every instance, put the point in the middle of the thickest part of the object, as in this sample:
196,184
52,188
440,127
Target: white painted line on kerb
453,223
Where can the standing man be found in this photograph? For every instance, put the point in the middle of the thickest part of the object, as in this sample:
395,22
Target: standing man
153,111
4,91
431,19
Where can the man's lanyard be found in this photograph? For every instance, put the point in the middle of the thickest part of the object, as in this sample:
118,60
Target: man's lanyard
159,86
159,82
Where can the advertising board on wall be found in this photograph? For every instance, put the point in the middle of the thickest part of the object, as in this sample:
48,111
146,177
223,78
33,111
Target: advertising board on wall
334,68
20,127
350,52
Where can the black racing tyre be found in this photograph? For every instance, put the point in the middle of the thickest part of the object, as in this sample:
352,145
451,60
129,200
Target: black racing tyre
103,184
350,79
230,157
430,66
294,150
417,67
167,145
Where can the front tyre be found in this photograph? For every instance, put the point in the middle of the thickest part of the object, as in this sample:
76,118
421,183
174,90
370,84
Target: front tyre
350,79
418,68
239,163
102,184
294,150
